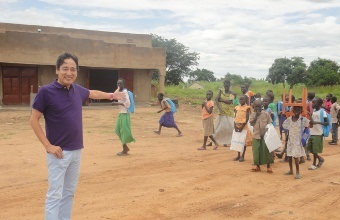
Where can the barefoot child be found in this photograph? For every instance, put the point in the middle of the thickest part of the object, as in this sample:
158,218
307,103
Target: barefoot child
335,121
259,120
295,124
242,113
208,120
167,120
315,143
123,126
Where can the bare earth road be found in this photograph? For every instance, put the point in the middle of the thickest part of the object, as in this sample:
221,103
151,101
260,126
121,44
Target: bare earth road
164,177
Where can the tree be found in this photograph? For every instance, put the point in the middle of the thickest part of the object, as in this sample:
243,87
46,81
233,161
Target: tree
291,71
178,59
279,70
237,79
298,72
323,72
202,75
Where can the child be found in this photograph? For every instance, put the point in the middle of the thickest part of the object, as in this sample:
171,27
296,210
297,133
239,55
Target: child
265,102
335,122
295,124
167,120
327,103
279,106
310,97
208,121
249,94
259,120
315,143
285,131
258,96
242,112
123,126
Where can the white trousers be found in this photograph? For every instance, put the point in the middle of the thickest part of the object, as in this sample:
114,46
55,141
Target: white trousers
62,178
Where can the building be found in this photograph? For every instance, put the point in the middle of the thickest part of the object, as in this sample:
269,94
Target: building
28,55
196,85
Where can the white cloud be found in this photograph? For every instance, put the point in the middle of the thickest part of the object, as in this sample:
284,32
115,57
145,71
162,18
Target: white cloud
237,36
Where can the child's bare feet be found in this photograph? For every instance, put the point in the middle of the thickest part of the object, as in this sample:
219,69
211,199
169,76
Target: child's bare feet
236,158
320,163
288,173
256,169
302,160
157,132
269,170
298,176
215,148
202,148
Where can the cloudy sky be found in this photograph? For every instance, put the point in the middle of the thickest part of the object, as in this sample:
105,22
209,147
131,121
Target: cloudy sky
241,37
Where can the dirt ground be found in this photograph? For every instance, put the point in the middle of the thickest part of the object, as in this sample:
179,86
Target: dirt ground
164,177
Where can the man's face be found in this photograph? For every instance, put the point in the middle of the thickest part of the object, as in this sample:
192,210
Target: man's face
67,72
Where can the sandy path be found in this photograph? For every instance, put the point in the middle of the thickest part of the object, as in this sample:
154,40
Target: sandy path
164,177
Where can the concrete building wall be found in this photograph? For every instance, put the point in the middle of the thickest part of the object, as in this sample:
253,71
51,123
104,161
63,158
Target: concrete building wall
140,40
43,49
24,45
142,85
1,88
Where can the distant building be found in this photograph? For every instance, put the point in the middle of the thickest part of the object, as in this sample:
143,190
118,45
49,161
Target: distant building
196,85
28,55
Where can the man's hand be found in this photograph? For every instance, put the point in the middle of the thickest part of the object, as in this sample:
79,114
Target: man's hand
55,150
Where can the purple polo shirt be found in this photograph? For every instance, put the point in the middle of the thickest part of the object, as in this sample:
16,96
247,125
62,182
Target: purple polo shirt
62,110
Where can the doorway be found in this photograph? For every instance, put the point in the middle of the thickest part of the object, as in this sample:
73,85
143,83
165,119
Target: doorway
17,83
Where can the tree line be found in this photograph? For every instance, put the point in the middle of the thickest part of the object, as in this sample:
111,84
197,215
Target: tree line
180,63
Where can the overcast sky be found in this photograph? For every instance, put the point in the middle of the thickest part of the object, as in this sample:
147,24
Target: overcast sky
241,37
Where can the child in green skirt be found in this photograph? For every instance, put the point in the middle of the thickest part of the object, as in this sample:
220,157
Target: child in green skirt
259,119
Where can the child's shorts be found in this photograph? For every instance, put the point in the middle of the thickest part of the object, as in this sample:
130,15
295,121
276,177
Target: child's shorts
315,144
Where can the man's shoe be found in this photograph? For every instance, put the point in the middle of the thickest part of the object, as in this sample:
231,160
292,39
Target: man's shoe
333,143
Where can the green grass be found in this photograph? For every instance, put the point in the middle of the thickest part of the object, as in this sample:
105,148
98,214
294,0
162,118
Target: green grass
196,96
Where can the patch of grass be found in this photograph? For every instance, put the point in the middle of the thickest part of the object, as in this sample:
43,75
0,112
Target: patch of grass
196,96
7,135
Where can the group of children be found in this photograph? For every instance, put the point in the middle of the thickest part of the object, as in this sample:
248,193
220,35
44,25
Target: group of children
257,112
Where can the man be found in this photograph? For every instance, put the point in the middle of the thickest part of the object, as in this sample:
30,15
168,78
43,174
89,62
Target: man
61,104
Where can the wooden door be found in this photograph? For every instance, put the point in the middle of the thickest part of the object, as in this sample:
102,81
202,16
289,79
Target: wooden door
17,83
29,81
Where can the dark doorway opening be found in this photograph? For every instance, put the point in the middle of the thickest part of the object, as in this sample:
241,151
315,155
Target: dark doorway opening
104,80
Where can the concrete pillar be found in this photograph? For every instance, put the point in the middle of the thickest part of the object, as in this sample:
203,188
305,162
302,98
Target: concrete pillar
1,88
162,73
